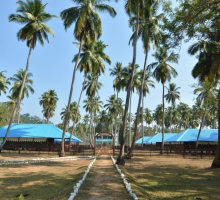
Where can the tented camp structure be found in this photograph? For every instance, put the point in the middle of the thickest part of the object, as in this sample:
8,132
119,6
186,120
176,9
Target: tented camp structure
34,137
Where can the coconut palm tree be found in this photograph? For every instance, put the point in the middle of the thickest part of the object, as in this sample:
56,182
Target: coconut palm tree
117,71
131,7
185,112
88,27
102,117
145,91
49,102
16,87
162,73
135,85
85,121
32,14
172,95
206,92
4,82
149,33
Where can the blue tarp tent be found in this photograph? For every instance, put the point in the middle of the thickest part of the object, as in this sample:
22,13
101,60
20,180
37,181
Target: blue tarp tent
158,137
34,131
74,138
190,135
146,138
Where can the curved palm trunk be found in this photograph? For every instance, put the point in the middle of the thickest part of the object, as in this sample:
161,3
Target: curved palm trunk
19,107
91,118
142,145
216,161
18,100
129,143
120,159
77,111
201,125
162,144
70,97
138,108
48,116
116,113
171,120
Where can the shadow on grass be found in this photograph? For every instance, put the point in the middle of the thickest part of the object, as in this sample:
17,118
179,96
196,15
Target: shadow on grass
52,180
164,180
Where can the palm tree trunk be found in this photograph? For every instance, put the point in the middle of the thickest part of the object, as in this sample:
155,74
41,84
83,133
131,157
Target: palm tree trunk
138,108
48,115
19,107
171,120
90,129
201,125
120,159
129,144
116,113
162,145
91,119
142,145
77,111
18,100
62,154
216,161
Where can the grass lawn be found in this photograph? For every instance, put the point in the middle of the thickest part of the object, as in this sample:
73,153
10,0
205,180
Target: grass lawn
47,180
172,178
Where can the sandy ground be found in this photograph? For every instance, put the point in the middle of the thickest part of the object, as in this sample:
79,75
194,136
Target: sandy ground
16,156
103,182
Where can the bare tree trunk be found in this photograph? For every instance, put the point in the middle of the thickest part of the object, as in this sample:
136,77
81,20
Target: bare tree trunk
162,144
138,108
201,125
19,107
171,119
77,111
120,159
62,154
91,119
142,145
48,115
216,161
116,113
129,144
18,100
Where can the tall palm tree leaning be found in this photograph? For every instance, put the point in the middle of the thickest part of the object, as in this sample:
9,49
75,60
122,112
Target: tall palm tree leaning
131,7
162,73
88,27
149,33
172,95
145,91
117,71
15,90
4,82
32,14
207,92
49,102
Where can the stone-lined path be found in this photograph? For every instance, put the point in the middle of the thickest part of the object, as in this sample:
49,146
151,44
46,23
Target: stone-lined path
103,182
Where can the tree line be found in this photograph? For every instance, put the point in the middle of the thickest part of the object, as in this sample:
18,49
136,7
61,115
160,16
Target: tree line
163,32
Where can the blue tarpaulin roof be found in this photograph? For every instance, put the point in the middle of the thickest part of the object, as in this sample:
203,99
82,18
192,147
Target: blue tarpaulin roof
146,138
34,131
74,138
158,137
190,135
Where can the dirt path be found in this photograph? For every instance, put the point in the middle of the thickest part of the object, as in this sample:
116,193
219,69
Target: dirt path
103,182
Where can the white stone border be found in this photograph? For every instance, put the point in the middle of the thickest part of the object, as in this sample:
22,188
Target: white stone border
127,185
77,186
39,160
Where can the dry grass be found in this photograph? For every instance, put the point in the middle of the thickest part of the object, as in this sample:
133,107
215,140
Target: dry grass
172,178
52,180
103,182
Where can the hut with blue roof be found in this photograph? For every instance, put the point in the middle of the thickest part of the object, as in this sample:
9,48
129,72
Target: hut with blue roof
187,139
34,137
